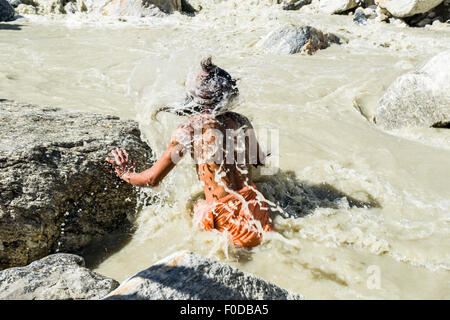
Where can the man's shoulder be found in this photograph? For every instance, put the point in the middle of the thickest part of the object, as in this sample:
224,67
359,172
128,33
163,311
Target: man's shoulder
237,118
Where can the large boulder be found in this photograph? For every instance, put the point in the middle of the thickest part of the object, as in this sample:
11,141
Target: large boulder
189,276
55,277
336,6
141,8
6,11
57,193
420,98
293,39
407,8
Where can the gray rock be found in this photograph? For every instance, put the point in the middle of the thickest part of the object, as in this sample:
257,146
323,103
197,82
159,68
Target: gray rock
55,277
56,190
407,8
420,98
440,13
14,3
189,276
293,39
70,8
141,8
336,6
6,11
359,17
366,3
294,4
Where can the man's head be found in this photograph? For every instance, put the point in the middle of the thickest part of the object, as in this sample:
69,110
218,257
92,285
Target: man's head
212,89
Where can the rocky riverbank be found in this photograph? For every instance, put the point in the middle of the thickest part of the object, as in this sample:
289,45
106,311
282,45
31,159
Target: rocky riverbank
416,13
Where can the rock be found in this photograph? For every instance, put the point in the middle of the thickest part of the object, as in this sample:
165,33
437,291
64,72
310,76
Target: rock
360,17
189,276
81,6
294,4
293,39
56,190
424,22
70,8
407,8
440,13
398,22
382,14
6,11
336,6
366,3
55,277
92,6
370,12
141,8
14,3
420,98
26,9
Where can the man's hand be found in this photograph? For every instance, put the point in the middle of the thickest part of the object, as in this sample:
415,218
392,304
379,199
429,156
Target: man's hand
122,164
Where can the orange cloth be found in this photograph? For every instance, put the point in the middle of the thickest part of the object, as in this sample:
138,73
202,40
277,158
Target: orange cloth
237,218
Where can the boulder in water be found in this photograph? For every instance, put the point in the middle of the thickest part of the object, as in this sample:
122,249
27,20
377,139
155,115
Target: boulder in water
141,8
189,276
294,4
336,6
293,39
407,8
6,11
420,98
57,193
55,277
360,17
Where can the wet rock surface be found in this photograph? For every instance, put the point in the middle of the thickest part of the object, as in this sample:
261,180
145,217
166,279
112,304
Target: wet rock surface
56,191
6,11
190,276
55,277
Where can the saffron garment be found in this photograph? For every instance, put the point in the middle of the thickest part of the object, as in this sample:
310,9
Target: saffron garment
236,214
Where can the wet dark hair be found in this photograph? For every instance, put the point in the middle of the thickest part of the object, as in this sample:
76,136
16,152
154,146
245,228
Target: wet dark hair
213,88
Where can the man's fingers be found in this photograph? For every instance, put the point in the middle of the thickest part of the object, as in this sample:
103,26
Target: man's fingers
116,157
119,152
110,161
126,155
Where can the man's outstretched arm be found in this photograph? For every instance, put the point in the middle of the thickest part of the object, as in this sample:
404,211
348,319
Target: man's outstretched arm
150,177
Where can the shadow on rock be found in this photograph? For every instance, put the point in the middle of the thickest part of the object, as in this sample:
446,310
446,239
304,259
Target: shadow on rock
299,198
190,276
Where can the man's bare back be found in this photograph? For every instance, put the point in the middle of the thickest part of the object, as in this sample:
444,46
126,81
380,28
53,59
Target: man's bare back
220,147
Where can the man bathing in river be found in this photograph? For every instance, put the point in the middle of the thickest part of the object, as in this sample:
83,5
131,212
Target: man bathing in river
233,204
